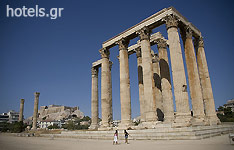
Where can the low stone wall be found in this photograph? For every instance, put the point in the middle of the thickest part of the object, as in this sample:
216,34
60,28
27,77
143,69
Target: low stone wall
186,133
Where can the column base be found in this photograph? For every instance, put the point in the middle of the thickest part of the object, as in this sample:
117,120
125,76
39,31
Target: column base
198,121
168,119
182,120
125,125
93,127
212,120
105,126
149,125
151,117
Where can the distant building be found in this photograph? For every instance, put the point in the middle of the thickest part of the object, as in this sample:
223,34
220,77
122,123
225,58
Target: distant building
230,103
4,117
13,116
46,123
9,117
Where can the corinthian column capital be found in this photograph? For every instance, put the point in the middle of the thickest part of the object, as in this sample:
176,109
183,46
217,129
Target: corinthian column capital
171,21
36,94
200,42
105,53
144,33
138,52
161,43
188,32
94,71
123,44
111,63
155,58
22,101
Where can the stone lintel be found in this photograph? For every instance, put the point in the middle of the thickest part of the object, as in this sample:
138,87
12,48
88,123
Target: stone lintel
98,63
152,22
153,38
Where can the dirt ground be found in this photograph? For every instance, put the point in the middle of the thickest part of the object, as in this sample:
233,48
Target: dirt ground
8,142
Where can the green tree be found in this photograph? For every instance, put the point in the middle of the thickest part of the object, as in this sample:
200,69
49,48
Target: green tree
220,108
54,126
228,114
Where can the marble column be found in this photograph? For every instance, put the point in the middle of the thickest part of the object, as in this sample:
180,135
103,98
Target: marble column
193,77
140,83
157,88
21,113
206,84
35,113
150,112
94,101
110,91
125,97
183,114
168,108
105,88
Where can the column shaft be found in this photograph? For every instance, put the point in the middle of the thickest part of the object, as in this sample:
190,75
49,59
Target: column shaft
21,114
168,107
158,88
206,84
183,114
105,89
193,77
35,113
150,112
125,97
110,90
140,84
94,101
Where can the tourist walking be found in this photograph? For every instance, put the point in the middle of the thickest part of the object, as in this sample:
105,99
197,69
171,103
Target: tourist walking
126,136
115,137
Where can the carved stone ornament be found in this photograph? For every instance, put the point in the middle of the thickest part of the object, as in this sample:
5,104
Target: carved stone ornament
201,42
36,94
94,71
105,53
22,100
155,58
123,44
111,63
138,52
144,33
161,43
171,21
189,32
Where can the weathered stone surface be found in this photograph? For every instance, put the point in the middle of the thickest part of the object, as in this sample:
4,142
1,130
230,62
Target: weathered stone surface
105,88
183,114
168,108
206,84
193,77
94,101
140,84
150,113
125,97
157,87
35,112
21,113
56,112
161,132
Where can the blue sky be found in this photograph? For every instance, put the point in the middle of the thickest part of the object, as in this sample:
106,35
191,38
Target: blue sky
54,57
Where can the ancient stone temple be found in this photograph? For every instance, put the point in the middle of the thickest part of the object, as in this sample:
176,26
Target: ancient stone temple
155,82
